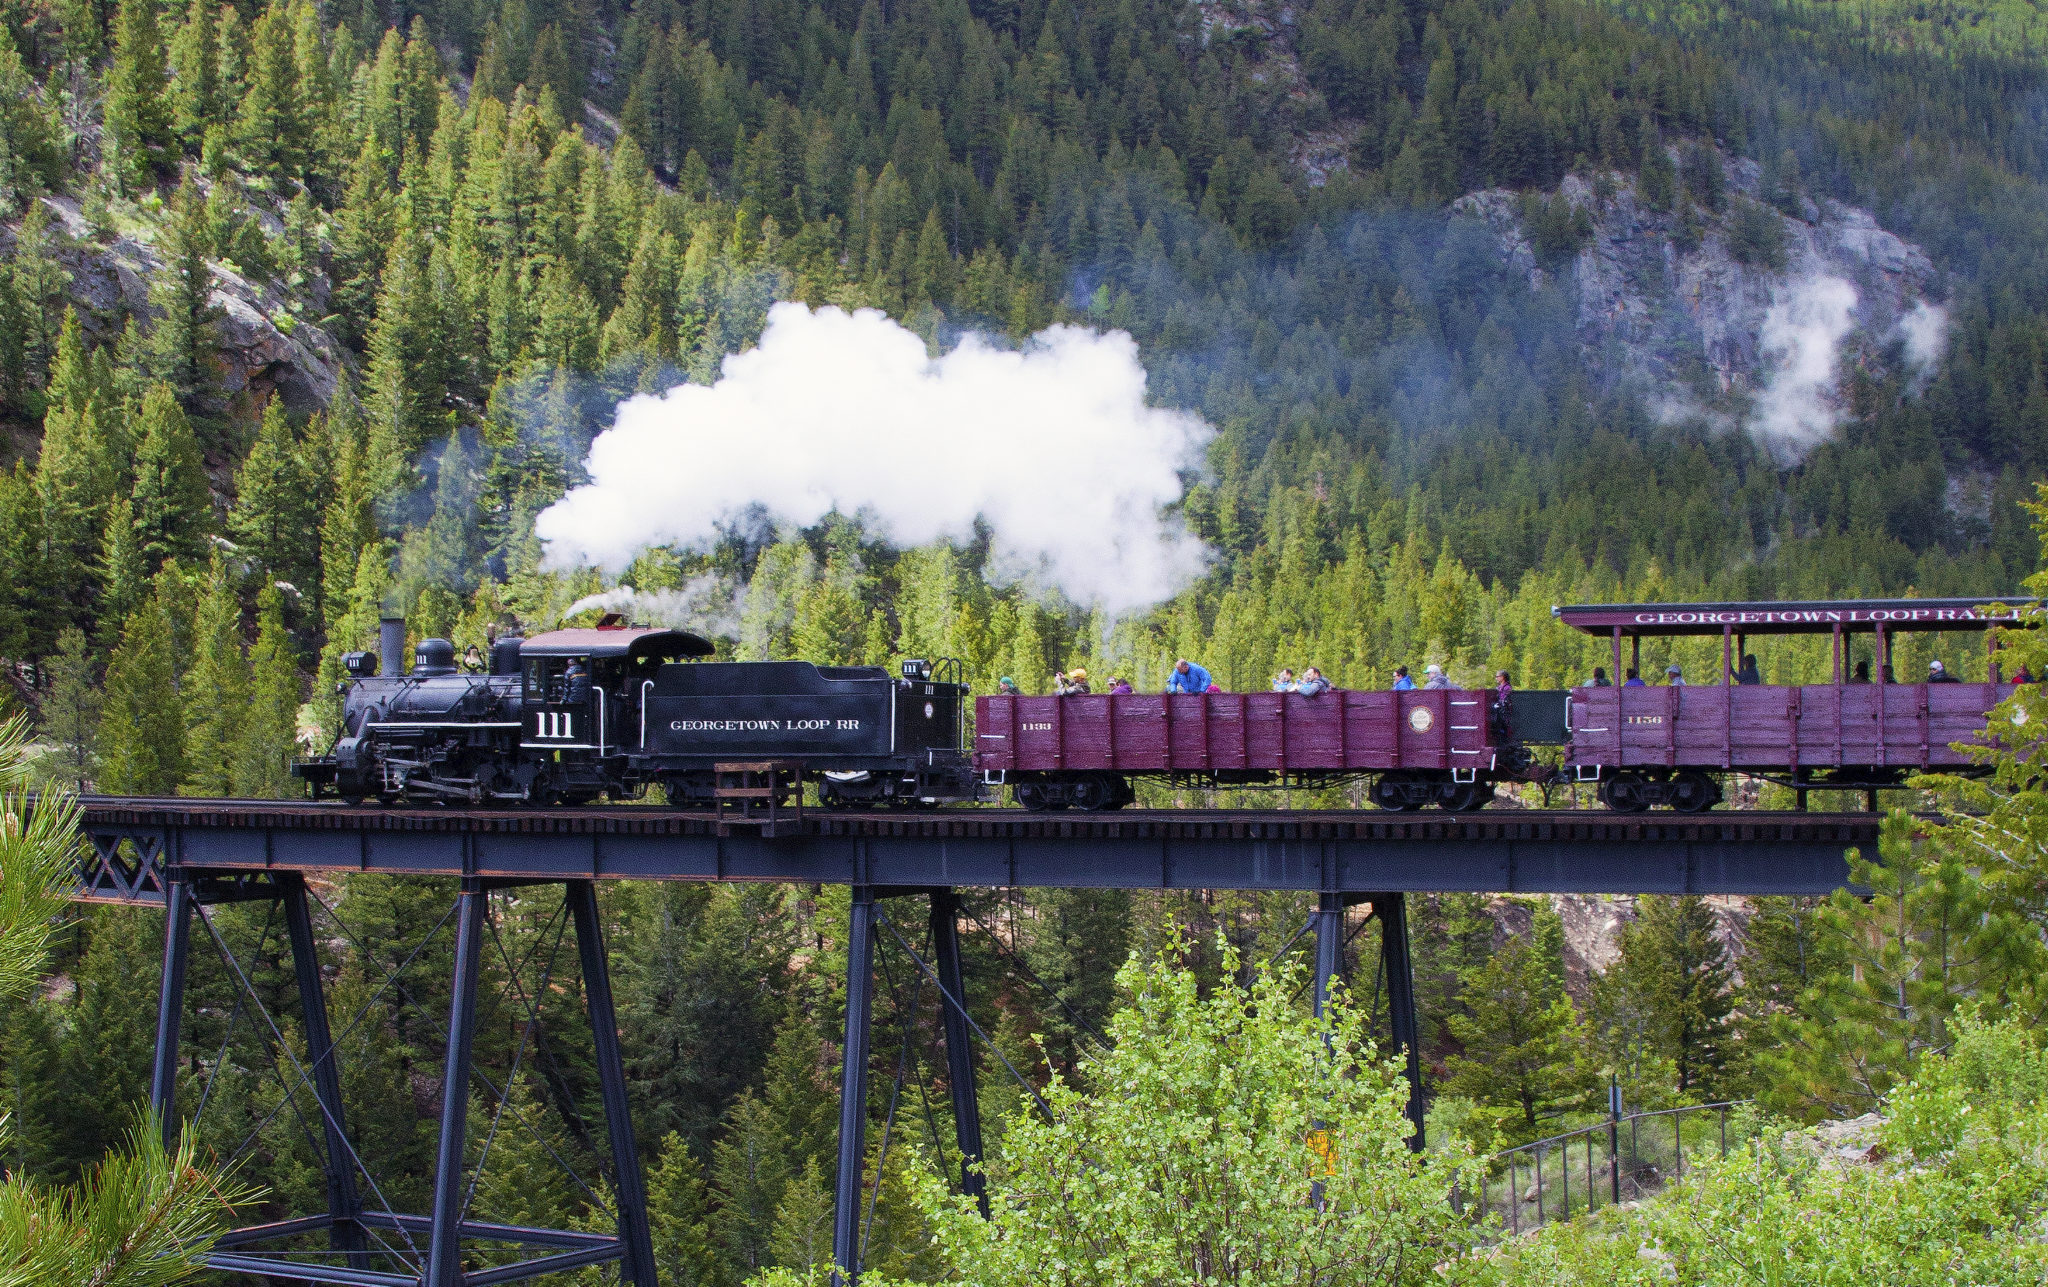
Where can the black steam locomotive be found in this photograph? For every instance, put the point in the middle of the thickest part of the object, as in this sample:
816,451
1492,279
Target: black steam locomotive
569,716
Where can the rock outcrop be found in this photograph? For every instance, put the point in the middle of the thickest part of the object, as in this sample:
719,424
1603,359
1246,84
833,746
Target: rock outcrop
1675,305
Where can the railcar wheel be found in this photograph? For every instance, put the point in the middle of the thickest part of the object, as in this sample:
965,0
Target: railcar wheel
1694,792
1094,793
1466,799
1625,793
1389,793
1030,795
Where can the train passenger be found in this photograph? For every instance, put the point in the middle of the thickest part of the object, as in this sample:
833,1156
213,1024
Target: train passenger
1312,683
1634,680
1433,677
1749,674
1118,687
1860,675
1673,676
2022,675
1503,701
1213,687
1284,682
1403,684
1885,676
1187,677
1600,679
576,682
1938,674
1072,684
1007,687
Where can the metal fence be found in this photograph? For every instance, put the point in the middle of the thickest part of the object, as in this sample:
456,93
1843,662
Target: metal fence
1626,1157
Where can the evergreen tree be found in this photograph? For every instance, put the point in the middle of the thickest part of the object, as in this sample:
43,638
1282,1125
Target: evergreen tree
173,504
24,591
220,672
274,520
181,339
142,736
1521,1041
1684,971
406,381
123,571
678,1216
75,475
1928,939
137,110
71,711
270,735
196,100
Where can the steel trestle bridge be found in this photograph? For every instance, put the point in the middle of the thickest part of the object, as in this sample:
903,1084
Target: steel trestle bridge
189,855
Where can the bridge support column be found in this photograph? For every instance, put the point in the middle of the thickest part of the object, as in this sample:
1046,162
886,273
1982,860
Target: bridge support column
853,1087
959,1050
344,1203
444,1253
1329,946
170,1005
1392,911
635,1240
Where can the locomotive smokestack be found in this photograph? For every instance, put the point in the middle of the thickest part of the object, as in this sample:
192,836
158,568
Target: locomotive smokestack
391,646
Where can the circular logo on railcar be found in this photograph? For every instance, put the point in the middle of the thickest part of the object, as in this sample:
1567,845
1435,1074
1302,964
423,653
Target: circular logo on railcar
1420,719
927,710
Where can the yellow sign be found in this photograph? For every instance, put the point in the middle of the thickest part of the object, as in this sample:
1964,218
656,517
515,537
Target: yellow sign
1324,1146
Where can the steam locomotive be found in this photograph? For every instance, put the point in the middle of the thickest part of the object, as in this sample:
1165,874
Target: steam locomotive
568,716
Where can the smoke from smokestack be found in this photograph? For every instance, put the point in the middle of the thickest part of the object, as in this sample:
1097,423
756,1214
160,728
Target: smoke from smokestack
1802,335
1052,447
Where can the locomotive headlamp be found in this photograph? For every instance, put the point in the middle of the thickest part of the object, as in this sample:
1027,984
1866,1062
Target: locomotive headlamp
359,664
917,669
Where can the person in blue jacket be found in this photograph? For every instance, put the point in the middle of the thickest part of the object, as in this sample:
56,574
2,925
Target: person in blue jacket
1403,684
1187,677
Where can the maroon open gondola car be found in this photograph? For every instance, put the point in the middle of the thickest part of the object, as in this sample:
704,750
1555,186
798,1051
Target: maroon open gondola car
1643,746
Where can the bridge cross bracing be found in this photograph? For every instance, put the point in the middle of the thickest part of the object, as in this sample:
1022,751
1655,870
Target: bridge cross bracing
188,855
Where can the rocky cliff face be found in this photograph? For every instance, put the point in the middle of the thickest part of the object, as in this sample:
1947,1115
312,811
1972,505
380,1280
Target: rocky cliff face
1744,312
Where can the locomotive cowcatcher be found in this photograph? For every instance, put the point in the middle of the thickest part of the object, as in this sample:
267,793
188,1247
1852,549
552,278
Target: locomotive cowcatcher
571,715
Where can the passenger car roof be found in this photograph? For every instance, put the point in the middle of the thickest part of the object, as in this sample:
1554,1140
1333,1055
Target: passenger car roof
1804,617
612,641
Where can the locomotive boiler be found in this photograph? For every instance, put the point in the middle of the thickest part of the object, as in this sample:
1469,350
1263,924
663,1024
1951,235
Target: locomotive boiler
572,715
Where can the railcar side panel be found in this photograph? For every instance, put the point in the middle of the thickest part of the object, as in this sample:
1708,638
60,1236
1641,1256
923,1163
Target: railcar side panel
1769,726
1337,732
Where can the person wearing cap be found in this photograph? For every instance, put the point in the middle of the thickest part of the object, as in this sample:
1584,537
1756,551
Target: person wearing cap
1673,676
1118,687
1938,674
1402,684
1187,677
1072,684
1007,687
1433,677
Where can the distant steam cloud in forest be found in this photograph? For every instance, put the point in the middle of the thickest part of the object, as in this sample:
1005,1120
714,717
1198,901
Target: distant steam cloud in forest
1802,336
1051,446
1924,332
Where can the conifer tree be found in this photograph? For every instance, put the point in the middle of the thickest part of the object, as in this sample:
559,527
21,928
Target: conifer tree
71,710
274,519
1928,939
1685,971
137,110
270,735
220,676
678,1215
181,339
173,504
24,627
1522,1039
75,474
406,381
142,734
196,100
123,571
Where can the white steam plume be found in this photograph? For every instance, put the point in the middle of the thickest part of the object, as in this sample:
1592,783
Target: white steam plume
1053,447
1802,334
702,604
1924,329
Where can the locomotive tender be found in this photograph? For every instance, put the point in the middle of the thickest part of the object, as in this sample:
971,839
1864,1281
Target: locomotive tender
567,716
571,715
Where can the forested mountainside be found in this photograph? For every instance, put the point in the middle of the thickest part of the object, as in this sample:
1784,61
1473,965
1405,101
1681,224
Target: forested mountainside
307,310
